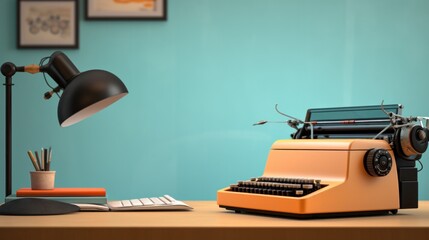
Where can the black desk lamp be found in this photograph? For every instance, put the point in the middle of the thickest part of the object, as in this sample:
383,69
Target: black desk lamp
83,95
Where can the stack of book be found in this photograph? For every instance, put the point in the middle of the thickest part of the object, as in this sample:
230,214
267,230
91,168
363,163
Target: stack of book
68,195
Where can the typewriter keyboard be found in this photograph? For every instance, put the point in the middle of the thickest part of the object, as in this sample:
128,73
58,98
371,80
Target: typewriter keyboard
294,187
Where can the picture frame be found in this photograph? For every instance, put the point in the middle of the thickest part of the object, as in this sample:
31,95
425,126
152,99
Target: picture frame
47,24
126,10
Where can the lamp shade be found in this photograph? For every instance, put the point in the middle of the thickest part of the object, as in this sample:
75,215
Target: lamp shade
84,93
87,93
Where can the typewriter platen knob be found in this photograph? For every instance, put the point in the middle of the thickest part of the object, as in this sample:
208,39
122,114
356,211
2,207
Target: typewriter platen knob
377,162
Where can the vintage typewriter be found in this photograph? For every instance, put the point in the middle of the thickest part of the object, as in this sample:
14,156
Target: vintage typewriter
342,162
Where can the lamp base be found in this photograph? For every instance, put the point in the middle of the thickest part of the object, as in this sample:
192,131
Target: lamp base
37,206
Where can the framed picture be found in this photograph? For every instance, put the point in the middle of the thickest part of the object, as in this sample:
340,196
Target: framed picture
48,24
126,9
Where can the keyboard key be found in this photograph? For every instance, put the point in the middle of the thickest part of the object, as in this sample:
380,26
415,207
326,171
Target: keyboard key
157,201
164,200
136,202
169,198
146,201
116,203
299,192
126,203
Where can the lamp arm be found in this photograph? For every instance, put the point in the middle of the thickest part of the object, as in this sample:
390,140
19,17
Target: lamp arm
9,69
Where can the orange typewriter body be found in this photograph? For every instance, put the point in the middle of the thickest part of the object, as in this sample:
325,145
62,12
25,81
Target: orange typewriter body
338,163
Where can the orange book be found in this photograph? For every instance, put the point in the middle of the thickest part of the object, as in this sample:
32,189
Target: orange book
62,192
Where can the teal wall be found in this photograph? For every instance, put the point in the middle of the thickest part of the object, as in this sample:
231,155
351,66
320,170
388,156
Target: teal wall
198,81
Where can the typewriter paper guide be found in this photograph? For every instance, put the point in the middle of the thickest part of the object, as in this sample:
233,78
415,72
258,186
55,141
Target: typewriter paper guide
338,163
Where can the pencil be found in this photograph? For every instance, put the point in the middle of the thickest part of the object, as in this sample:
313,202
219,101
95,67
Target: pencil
33,160
50,158
46,159
38,161
42,159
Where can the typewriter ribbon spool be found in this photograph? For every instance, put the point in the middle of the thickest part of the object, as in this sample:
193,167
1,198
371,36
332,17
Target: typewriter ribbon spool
411,142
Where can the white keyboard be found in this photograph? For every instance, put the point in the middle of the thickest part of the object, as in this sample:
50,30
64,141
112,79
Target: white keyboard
165,202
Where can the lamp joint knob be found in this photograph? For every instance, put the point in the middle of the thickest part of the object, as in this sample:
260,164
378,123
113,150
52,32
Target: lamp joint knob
33,68
8,69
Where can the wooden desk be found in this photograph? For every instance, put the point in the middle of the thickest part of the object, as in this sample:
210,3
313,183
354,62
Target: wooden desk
207,221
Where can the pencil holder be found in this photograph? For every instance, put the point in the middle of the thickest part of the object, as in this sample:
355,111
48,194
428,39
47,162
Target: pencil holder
42,180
